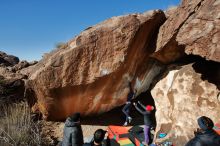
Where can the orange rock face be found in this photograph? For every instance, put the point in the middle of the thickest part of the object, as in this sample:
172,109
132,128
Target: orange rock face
90,74
192,29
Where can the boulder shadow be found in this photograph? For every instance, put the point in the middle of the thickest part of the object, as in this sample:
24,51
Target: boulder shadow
116,116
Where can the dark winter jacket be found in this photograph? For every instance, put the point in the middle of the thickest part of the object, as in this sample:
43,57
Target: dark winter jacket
145,113
91,144
104,143
208,138
72,134
130,96
131,93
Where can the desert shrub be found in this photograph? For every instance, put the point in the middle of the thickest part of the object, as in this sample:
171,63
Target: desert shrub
61,45
17,127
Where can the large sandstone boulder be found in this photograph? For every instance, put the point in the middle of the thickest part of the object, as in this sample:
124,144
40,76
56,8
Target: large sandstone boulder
182,95
90,73
192,29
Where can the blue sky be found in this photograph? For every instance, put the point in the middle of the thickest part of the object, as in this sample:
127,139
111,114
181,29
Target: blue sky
30,28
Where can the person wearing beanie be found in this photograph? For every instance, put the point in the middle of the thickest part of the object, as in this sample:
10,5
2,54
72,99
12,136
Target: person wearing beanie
72,133
205,123
146,112
205,135
98,139
127,107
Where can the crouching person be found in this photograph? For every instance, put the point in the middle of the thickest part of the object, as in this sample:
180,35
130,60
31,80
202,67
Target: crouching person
72,133
205,135
99,139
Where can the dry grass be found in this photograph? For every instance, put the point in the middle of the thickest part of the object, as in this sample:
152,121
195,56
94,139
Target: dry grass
17,126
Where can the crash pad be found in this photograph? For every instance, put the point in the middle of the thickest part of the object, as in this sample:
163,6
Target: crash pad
118,132
136,135
125,142
217,128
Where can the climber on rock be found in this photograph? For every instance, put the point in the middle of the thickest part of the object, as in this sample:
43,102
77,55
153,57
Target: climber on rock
72,133
127,107
205,135
146,112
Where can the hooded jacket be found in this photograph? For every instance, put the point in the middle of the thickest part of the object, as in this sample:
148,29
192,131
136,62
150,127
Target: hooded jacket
207,138
72,134
104,143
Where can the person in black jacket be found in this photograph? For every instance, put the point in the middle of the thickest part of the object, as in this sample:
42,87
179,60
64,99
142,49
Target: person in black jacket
205,136
146,112
127,107
72,133
98,139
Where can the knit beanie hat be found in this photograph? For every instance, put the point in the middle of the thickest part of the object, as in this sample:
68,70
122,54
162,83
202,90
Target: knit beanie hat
99,135
205,123
149,108
75,117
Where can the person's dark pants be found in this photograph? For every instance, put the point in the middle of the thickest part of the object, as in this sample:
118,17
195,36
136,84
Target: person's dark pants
126,110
